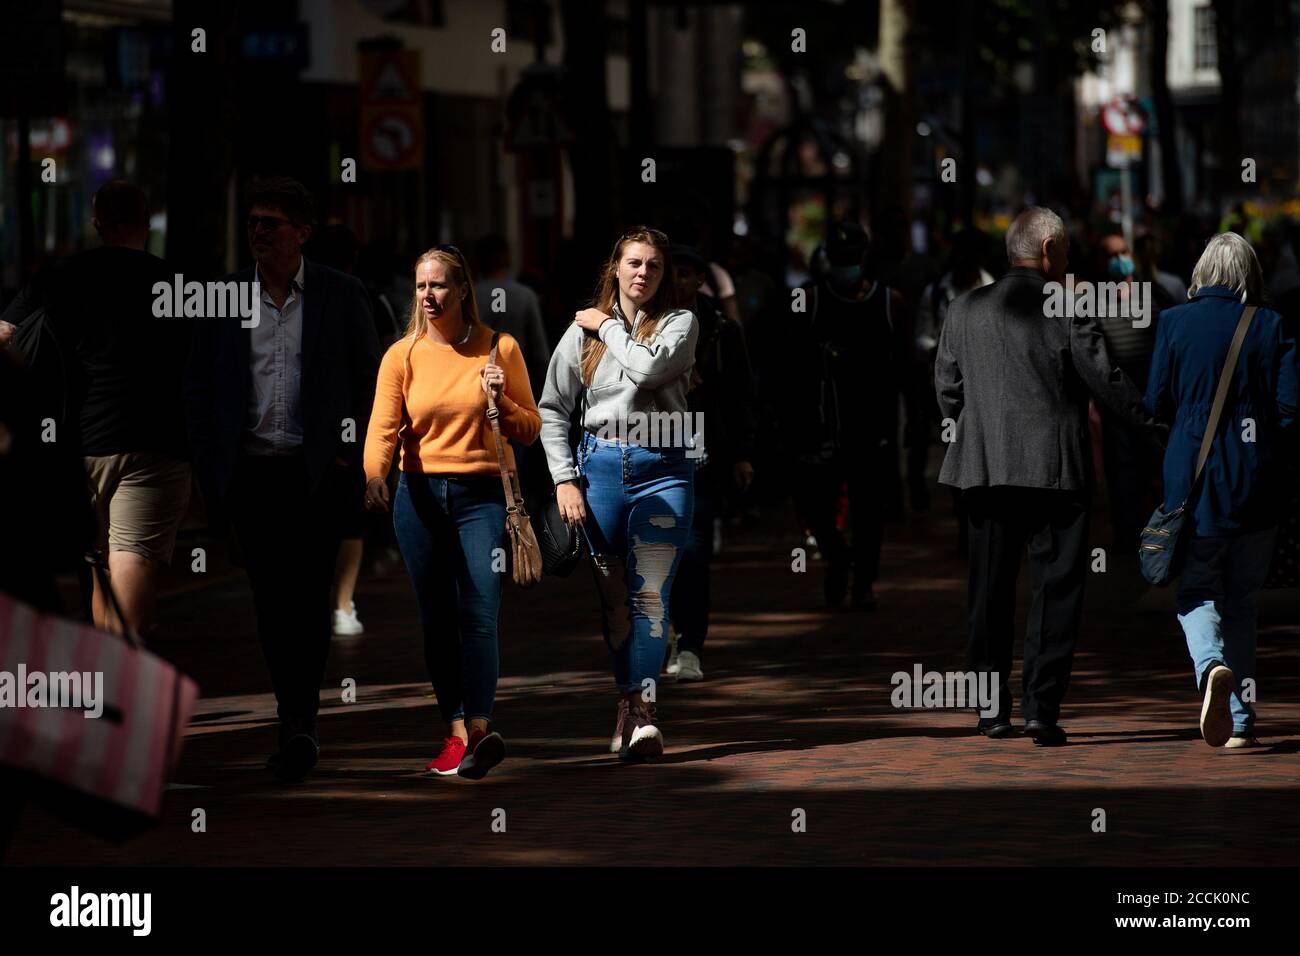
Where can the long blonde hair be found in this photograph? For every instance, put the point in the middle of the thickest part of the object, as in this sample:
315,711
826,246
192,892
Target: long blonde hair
417,326
661,303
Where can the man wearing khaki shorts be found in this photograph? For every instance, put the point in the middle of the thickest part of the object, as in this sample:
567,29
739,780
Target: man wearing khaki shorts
126,405
140,499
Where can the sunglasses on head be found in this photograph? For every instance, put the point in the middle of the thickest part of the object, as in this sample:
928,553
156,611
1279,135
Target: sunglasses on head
658,237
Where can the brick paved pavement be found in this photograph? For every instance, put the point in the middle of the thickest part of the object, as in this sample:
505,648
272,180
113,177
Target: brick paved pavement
795,713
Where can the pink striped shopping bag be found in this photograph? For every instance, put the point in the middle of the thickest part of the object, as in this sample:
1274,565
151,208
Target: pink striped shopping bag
120,758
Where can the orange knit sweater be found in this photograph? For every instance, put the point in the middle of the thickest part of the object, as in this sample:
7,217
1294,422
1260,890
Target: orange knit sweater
437,410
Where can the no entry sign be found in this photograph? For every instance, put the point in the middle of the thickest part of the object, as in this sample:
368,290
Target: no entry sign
1123,117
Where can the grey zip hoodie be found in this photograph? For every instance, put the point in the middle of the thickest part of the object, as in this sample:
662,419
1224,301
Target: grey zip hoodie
632,376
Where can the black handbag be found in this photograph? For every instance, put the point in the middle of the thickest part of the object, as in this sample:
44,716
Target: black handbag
1160,550
561,542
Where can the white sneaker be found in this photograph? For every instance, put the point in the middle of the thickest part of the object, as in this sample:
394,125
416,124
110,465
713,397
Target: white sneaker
674,660
645,740
688,667
346,623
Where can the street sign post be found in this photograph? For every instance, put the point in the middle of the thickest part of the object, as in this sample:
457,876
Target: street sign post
392,113
1125,123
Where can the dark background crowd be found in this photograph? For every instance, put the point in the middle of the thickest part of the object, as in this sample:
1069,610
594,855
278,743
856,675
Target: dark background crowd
832,177
765,125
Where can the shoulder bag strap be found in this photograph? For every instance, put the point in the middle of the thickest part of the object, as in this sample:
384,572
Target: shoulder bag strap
507,478
1221,395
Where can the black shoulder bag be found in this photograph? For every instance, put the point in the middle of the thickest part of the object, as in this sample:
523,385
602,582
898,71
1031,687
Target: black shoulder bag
560,542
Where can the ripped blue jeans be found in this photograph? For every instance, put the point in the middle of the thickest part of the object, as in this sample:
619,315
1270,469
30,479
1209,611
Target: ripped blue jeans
639,505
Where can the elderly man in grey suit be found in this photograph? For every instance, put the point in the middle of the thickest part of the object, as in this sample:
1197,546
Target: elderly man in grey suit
1013,383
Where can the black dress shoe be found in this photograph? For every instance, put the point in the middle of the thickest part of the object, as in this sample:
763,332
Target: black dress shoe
295,759
836,583
864,600
1045,734
996,729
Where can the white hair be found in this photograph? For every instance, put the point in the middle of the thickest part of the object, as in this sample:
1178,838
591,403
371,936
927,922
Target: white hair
1229,260
1026,234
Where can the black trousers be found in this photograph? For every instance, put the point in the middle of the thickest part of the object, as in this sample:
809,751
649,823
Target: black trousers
871,475
1054,527
690,601
1132,465
289,536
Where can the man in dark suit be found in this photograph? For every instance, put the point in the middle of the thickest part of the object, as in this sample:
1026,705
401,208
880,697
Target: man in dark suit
1014,377
278,405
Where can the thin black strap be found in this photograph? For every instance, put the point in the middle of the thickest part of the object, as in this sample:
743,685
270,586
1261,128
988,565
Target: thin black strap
101,573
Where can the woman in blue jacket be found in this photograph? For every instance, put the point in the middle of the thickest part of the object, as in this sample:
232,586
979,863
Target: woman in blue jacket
1233,521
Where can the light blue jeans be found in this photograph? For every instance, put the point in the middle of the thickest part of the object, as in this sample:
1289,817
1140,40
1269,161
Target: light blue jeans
1218,603
639,506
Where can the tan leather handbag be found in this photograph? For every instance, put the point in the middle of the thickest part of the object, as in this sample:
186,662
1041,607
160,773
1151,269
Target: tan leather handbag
525,554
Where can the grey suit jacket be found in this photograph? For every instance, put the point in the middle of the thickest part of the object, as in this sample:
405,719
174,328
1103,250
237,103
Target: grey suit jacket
1017,383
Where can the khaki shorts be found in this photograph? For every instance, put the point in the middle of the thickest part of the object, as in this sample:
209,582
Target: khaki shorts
140,499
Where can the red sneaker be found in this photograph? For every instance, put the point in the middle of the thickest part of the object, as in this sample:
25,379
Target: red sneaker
448,760
484,752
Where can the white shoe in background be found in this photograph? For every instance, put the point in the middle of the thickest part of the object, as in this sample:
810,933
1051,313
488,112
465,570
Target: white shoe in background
346,623
673,659
688,667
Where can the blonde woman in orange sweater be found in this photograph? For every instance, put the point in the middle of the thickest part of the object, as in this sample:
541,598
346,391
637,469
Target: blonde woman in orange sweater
449,511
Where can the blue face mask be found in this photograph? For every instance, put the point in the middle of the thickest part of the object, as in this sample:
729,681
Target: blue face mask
1120,267
846,277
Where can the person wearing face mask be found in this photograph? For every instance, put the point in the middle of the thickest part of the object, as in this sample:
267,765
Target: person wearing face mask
629,487
843,417
1131,463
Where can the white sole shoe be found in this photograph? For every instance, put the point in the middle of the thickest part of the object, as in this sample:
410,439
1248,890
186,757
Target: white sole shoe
347,624
646,742
688,668
616,743
1238,743
1216,710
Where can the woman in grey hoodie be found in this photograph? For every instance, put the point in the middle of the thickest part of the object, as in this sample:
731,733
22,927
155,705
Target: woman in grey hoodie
627,363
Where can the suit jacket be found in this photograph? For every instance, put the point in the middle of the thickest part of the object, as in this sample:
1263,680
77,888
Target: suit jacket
340,363
1017,383
1242,489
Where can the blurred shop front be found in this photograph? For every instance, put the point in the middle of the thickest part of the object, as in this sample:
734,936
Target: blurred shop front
87,83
